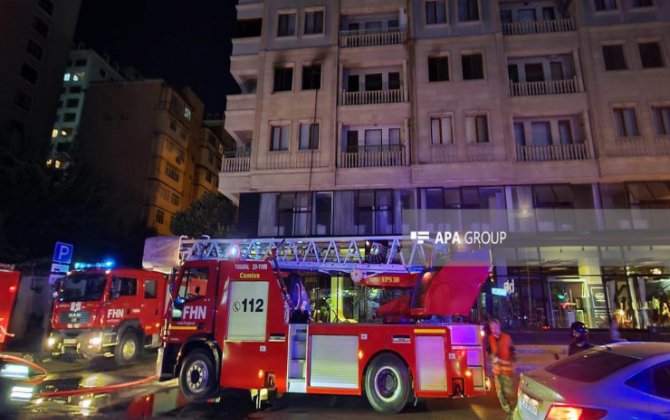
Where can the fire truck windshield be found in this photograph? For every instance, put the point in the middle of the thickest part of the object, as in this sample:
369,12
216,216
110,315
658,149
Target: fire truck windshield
82,287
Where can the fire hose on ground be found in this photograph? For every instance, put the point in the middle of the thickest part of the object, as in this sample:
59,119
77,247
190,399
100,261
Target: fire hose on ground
38,379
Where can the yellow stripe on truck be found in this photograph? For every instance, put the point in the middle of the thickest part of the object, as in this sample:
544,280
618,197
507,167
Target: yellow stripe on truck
430,331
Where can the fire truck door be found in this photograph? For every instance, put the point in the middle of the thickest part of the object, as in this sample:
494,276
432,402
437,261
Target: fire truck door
193,304
124,299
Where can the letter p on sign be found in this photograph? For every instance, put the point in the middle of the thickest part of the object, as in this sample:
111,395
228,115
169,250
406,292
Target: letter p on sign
63,253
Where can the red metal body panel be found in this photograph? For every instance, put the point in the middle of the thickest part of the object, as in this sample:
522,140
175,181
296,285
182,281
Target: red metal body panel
9,288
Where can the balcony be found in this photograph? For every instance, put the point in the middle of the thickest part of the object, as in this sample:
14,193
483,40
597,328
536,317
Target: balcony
357,38
554,152
551,87
236,163
372,97
302,159
538,27
637,146
376,156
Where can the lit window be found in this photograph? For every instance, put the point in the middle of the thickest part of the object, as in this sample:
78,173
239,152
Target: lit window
54,133
67,76
187,114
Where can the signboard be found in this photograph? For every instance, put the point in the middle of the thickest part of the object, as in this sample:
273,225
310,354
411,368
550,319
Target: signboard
63,253
60,268
247,311
498,291
598,296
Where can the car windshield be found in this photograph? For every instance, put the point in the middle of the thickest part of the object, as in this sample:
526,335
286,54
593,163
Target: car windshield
591,365
82,287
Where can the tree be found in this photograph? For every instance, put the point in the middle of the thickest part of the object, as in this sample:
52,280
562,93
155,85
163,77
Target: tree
212,214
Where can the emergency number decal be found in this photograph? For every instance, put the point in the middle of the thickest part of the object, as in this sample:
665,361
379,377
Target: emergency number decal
247,313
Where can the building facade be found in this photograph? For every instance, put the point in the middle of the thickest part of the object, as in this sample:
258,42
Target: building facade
352,113
37,36
84,67
147,141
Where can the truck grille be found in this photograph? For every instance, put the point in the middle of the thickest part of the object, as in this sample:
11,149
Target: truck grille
74,317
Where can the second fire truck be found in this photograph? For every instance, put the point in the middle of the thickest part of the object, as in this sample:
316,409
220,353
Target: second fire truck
233,324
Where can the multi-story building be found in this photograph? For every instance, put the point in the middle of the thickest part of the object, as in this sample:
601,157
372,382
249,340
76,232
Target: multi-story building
353,113
36,38
84,67
146,140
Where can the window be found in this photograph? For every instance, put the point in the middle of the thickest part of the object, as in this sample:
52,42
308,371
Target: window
69,117
175,199
80,62
160,216
565,132
436,12
173,125
373,140
150,289
473,66
614,57
661,117
548,13
527,15
394,139
394,80
590,365
22,100
519,134
127,286
534,72
605,4
72,102
506,16
468,10
279,139
476,129
286,24
314,22
373,81
208,176
47,6
323,210
353,83
352,141
193,284
75,89
541,133
283,79
650,54
440,130
172,171
626,124
248,28
311,77
513,73
35,49
309,136
41,27
29,73
643,3
438,69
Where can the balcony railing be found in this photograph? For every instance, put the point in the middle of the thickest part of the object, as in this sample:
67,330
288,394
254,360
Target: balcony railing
452,153
538,27
350,39
372,97
638,146
301,159
554,152
550,87
236,163
373,157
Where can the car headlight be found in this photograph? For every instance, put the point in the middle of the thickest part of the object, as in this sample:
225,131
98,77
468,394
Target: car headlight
21,393
95,341
14,371
51,341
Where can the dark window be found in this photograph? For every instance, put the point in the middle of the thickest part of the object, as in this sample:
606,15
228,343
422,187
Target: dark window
309,137
393,24
311,77
69,117
75,89
394,80
556,70
286,24
248,28
29,73
506,16
605,4
650,54
527,15
643,3
534,72
614,57
373,81
160,216
41,27
519,134
22,100
590,365
438,69
128,286
352,141
436,12
314,22
626,122
548,13
468,10
47,6
473,67
279,139
173,125
513,72
283,79
150,289
353,83
565,131
323,210
80,62
72,102
175,199
172,172
661,116
102,73
35,49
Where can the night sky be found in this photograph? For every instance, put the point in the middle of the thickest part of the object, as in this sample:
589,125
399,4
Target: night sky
183,42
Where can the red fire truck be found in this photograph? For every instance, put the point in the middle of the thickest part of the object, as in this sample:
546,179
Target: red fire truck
240,329
108,312
9,287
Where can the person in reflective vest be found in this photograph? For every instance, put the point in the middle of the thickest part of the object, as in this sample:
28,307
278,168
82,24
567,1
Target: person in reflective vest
501,350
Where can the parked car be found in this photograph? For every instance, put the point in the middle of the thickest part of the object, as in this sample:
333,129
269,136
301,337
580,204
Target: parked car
623,380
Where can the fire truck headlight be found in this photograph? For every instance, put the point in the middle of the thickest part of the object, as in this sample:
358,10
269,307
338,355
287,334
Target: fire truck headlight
51,341
95,341
21,393
14,371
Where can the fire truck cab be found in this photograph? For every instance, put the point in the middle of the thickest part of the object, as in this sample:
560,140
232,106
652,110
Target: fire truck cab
9,286
237,331
108,312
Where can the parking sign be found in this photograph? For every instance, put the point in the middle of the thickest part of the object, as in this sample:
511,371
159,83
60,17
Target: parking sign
63,253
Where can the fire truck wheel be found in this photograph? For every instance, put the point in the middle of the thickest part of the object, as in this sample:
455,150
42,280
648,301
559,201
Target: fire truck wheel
128,348
387,383
197,376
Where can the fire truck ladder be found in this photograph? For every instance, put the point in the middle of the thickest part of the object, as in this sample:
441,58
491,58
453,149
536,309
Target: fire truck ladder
370,255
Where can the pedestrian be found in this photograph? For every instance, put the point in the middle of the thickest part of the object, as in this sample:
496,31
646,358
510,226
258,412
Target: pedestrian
501,350
615,335
580,340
